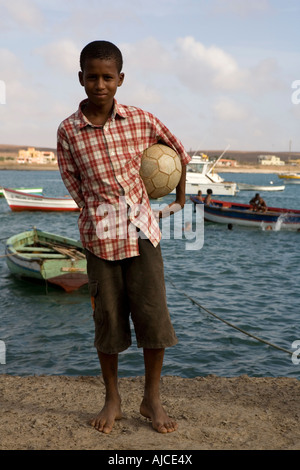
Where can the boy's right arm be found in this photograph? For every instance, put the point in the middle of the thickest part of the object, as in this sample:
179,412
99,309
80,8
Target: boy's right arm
69,171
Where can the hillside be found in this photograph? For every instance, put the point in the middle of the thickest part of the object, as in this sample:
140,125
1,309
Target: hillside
242,157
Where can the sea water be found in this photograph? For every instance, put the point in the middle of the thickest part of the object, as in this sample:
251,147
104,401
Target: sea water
247,277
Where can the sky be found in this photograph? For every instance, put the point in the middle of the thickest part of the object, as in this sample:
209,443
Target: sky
215,72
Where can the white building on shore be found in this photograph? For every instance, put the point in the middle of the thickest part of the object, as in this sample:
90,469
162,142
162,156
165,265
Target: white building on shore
38,157
269,160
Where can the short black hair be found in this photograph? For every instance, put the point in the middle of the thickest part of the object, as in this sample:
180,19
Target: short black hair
103,50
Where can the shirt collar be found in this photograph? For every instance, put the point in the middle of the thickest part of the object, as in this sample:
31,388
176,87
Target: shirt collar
81,121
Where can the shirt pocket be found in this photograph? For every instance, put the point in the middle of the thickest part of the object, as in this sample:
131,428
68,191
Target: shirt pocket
133,157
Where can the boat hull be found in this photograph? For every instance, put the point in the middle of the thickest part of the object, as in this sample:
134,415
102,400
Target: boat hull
218,189
290,179
24,190
224,212
57,260
254,187
19,201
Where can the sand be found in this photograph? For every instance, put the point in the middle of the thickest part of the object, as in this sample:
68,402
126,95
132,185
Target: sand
213,413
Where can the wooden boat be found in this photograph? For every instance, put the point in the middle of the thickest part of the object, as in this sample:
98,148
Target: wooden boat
290,178
257,187
24,190
44,256
234,213
20,201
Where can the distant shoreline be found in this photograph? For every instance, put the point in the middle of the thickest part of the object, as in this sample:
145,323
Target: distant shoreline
219,169
257,169
18,166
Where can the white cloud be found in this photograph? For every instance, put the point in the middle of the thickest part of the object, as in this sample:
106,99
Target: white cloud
210,67
150,55
62,55
204,69
9,63
226,109
242,8
23,12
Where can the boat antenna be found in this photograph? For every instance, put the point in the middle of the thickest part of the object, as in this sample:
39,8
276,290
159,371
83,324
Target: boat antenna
224,151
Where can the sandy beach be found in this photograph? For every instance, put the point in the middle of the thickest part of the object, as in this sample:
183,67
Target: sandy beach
213,413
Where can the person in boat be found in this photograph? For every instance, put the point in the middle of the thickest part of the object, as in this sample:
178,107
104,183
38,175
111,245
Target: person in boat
199,196
99,155
258,204
207,199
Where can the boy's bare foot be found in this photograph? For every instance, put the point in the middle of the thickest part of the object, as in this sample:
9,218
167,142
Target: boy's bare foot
161,422
104,421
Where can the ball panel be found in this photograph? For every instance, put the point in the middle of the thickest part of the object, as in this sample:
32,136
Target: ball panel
160,170
166,164
160,180
174,179
148,168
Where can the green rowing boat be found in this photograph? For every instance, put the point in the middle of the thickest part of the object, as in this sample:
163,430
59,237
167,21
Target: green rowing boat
45,256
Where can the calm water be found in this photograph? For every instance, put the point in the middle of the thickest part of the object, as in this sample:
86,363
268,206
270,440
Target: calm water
249,277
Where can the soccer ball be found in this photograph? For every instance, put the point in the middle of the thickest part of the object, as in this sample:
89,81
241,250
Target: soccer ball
160,170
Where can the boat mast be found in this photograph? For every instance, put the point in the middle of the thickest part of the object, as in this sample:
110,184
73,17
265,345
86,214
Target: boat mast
210,170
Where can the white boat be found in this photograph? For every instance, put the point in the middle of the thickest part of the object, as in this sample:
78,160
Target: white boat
19,201
201,176
257,187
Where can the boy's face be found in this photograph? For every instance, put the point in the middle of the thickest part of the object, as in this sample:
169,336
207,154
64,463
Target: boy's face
100,78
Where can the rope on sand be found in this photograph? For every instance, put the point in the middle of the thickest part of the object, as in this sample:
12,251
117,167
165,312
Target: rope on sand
230,324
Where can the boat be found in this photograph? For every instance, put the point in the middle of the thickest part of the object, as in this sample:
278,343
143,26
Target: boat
20,201
290,178
234,213
24,190
200,175
47,257
257,187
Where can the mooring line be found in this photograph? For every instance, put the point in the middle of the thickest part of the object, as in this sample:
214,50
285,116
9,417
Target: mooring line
228,323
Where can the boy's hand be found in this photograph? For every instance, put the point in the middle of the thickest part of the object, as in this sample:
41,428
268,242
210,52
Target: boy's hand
168,210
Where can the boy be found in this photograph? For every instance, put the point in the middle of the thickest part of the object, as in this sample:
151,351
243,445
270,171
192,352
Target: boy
99,154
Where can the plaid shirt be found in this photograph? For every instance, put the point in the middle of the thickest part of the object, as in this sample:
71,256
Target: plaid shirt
100,168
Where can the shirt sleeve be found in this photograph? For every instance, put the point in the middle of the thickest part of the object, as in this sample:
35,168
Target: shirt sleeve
68,169
164,134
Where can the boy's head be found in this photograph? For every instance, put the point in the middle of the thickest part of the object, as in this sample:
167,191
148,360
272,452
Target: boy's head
103,50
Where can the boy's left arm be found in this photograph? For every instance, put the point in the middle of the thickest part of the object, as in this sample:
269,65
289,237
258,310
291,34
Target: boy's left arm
179,202
171,140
